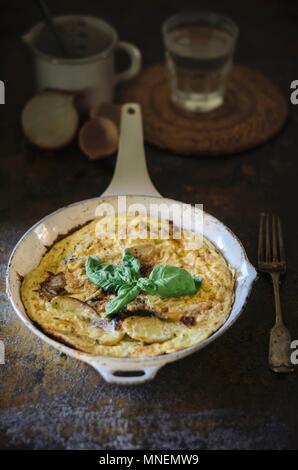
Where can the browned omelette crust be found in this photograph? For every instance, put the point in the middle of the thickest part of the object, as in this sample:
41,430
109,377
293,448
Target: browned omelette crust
150,325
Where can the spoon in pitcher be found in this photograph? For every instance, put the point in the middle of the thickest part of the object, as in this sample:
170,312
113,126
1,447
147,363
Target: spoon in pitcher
44,9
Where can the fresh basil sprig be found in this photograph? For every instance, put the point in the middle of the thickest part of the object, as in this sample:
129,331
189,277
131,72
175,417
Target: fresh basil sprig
125,281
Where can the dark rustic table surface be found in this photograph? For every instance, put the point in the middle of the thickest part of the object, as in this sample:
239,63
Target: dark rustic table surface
222,397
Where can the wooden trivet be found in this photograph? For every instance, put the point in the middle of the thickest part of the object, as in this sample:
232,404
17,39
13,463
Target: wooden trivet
253,112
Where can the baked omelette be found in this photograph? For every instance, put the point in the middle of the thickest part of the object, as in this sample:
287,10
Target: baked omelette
62,300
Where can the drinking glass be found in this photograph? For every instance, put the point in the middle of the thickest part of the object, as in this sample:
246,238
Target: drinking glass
199,53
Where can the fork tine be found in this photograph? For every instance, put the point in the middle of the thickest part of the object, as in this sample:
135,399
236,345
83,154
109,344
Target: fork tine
267,235
261,239
280,241
274,239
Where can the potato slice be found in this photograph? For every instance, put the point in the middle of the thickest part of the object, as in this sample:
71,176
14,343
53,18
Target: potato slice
149,329
84,320
144,251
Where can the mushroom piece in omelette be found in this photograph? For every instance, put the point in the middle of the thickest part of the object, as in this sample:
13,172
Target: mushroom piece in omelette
129,296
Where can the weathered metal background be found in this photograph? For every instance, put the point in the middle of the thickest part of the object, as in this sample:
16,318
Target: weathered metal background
222,397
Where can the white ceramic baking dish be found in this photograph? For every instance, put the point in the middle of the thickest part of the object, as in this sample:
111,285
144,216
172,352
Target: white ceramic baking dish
131,179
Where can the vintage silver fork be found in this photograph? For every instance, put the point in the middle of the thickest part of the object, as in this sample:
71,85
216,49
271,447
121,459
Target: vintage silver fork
271,260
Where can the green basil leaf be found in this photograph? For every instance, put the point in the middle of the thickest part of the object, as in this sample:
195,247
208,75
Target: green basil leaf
172,281
126,295
147,285
105,276
198,281
132,263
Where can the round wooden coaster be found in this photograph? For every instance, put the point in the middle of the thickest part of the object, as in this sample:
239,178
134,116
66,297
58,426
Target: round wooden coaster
253,112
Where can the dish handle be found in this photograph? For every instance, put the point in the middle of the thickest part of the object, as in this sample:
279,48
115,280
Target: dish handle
125,376
131,176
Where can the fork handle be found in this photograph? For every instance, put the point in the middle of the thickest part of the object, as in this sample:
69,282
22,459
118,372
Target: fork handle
280,339
278,315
